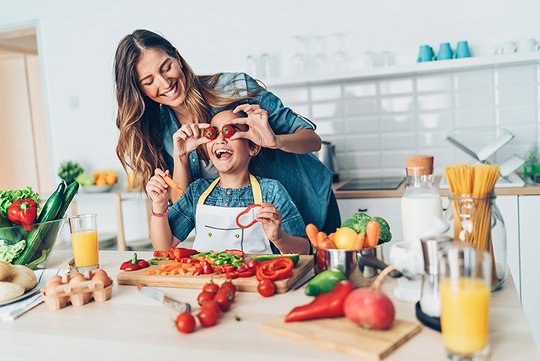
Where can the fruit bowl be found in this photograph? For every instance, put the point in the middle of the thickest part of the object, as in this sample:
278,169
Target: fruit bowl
42,235
97,189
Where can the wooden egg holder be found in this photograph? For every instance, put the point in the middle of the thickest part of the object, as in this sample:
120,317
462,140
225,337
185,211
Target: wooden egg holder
78,294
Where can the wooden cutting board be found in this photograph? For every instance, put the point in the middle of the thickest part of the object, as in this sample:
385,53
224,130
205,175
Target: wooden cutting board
133,278
340,334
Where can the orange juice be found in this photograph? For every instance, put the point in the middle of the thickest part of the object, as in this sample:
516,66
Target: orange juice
85,248
465,314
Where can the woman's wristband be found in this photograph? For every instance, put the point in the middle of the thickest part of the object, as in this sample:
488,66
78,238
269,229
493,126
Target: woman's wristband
163,214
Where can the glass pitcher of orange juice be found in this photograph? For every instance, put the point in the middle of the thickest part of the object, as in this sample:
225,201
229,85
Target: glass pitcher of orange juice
84,241
465,286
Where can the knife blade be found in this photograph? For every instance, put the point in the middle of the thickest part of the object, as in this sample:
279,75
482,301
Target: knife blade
165,300
302,280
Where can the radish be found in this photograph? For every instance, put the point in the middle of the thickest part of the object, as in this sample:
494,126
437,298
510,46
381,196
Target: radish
369,307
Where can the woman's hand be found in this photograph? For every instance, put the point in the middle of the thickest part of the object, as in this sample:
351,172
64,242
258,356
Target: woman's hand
270,218
158,191
188,138
259,130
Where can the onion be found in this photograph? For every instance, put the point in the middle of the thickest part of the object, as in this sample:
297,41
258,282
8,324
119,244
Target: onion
369,307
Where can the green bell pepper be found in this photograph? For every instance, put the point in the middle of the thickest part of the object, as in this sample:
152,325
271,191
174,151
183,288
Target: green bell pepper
267,257
324,282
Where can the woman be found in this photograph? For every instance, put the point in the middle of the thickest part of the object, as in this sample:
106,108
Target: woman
163,105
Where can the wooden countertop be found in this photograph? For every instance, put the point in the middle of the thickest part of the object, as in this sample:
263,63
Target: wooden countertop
527,190
132,326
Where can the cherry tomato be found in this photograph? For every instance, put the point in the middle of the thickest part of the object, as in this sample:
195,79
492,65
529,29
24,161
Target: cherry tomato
185,322
211,287
266,288
210,132
208,316
211,304
227,130
224,300
228,286
205,296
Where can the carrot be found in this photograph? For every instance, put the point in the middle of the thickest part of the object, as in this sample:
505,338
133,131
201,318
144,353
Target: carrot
331,236
372,233
311,232
324,242
359,241
173,184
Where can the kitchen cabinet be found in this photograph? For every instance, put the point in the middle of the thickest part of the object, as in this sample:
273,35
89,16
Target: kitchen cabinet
529,209
387,208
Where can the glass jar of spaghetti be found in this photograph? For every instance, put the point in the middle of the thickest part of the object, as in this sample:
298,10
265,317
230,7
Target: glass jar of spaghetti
478,221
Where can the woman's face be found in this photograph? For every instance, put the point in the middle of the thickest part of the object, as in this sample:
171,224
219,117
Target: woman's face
161,78
229,156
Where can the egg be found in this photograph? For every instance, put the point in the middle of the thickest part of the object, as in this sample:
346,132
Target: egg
54,282
76,278
101,275
78,299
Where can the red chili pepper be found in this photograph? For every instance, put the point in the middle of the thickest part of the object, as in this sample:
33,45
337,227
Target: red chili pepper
275,269
326,305
235,252
134,264
23,212
251,206
227,130
210,132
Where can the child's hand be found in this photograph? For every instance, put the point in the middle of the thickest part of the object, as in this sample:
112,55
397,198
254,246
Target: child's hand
188,138
158,190
259,131
270,219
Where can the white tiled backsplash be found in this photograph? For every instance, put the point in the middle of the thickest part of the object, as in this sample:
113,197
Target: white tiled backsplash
375,124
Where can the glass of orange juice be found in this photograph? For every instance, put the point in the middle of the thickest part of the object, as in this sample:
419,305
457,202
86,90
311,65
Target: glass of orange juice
465,285
84,240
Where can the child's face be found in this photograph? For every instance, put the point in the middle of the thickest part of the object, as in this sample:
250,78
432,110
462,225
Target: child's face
229,156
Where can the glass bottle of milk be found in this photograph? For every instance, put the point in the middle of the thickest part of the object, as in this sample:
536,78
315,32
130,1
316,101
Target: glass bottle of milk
421,214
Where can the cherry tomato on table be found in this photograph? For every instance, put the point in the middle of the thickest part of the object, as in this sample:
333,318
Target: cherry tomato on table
205,296
185,322
228,286
211,287
224,300
208,316
266,288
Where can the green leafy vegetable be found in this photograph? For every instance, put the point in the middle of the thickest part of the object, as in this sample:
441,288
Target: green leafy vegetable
8,252
9,196
359,221
69,171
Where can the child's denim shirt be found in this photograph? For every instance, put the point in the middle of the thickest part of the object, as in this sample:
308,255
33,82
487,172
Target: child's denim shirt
305,178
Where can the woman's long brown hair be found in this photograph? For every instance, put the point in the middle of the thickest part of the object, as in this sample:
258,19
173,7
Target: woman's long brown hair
140,143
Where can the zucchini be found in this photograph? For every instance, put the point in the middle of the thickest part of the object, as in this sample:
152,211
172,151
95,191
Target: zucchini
48,213
69,194
267,257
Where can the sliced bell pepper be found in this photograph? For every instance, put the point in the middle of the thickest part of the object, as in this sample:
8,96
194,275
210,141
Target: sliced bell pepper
179,252
266,257
161,254
275,270
245,212
326,305
235,252
134,264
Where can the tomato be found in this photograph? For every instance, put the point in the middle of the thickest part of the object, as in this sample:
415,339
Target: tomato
227,130
205,296
210,132
185,322
224,300
266,288
228,286
211,287
208,316
344,238
211,304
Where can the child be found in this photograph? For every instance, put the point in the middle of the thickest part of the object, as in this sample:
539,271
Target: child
212,206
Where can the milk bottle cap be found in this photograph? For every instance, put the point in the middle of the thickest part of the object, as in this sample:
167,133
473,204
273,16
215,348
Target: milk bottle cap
419,165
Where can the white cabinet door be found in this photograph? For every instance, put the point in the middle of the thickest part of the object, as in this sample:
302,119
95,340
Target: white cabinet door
387,208
529,235
508,205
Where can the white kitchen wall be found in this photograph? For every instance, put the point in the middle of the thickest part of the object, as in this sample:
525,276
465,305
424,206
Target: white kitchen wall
375,124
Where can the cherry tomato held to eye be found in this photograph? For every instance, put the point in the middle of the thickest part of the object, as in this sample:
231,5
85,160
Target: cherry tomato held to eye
210,132
266,288
227,130
185,322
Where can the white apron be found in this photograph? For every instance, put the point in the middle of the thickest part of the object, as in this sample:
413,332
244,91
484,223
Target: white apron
216,228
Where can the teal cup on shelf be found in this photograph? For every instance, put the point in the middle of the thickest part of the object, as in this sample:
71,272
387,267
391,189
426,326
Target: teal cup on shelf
462,50
445,52
425,53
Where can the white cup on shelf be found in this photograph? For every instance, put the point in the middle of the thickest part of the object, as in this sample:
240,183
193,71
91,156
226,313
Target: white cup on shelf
527,45
505,47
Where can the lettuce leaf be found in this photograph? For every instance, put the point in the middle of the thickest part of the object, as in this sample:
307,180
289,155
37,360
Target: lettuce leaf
9,196
8,252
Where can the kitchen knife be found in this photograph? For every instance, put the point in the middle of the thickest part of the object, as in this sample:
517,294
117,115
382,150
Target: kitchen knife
162,298
302,280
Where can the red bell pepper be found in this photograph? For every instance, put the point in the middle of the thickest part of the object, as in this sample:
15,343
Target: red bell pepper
161,254
245,212
134,264
178,253
23,212
326,305
275,269
235,252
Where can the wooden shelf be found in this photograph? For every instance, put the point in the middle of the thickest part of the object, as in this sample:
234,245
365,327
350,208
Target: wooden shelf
406,70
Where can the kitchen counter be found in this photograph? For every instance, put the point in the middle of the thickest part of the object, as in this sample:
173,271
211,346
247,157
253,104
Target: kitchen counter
528,189
132,326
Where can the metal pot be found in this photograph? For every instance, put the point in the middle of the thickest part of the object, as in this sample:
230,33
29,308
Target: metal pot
327,155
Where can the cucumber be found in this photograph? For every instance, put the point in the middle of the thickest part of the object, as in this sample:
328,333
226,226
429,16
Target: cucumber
48,213
267,257
69,194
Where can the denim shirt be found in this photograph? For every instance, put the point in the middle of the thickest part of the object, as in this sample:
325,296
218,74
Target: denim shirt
305,178
182,214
